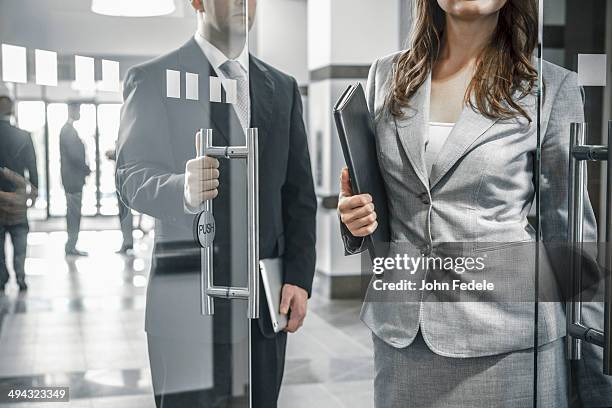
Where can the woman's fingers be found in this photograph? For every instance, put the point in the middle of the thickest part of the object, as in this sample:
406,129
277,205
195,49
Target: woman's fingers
357,213
348,203
362,222
365,231
345,183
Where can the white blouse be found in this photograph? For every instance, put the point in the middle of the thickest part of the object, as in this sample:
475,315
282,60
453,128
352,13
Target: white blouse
434,140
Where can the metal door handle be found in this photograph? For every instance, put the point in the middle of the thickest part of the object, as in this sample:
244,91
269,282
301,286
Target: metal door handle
205,224
607,365
577,332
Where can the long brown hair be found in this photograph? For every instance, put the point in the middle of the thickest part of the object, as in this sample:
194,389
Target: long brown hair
503,67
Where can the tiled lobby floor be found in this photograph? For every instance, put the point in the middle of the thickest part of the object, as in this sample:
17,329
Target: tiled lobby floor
81,325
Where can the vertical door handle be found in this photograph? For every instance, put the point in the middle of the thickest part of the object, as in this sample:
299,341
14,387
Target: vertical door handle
577,332
575,217
607,363
205,226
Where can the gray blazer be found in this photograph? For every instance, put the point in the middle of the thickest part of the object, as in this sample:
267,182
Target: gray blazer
480,191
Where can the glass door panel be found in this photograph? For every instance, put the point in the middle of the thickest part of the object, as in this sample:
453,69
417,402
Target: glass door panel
86,128
576,110
108,128
57,114
202,101
31,117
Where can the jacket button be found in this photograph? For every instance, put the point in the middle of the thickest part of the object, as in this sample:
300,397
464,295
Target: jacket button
425,199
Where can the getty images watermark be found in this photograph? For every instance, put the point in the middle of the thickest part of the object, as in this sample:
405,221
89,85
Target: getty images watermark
412,265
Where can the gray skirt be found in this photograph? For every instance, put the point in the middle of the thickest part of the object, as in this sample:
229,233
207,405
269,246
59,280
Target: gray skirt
417,377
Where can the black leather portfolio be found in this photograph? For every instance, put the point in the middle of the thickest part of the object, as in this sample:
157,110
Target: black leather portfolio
357,137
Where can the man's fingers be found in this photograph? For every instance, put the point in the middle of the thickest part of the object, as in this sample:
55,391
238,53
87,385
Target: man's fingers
204,196
292,325
11,198
207,185
286,298
202,175
204,162
296,320
199,185
14,178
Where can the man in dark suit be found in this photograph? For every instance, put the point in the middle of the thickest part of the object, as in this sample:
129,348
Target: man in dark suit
16,157
74,170
195,360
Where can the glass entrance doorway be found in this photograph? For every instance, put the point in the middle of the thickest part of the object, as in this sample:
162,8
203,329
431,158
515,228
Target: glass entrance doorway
576,44
98,128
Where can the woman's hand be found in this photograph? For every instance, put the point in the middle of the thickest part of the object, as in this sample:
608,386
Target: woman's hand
356,211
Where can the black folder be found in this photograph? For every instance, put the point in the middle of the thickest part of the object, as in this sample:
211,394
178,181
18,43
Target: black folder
357,137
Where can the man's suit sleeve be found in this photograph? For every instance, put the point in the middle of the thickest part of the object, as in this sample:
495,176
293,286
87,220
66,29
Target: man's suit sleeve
299,204
146,178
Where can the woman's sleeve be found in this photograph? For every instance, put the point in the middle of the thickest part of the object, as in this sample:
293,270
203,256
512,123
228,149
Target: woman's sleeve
567,107
355,245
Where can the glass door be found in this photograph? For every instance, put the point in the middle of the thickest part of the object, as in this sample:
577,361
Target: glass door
108,131
575,129
181,127
31,117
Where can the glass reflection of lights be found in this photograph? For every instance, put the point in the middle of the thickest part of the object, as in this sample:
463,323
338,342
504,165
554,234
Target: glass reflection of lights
139,281
139,264
133,8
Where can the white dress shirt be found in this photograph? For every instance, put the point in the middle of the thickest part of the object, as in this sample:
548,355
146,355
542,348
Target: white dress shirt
217,59
434,140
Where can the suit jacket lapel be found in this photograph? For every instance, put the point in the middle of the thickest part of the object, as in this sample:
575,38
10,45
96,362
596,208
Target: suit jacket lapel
411,128
469,127
262,96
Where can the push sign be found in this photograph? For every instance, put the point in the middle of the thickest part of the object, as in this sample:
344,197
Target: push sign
205,229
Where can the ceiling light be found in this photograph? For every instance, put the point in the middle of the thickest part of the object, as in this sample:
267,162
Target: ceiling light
133,8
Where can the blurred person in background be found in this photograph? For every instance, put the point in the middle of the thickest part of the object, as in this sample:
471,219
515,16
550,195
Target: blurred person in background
17,160
125,215
74,170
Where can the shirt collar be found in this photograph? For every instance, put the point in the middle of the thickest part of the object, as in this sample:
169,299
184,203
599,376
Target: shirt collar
217,58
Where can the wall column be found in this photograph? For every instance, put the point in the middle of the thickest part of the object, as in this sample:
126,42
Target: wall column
344,38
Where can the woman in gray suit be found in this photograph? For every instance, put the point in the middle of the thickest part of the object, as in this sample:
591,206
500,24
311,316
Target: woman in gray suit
456,127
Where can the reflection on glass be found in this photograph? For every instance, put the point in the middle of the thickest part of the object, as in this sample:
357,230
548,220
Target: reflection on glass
46,67
199,359
57,114
583,50
14,66
108,128
31,117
